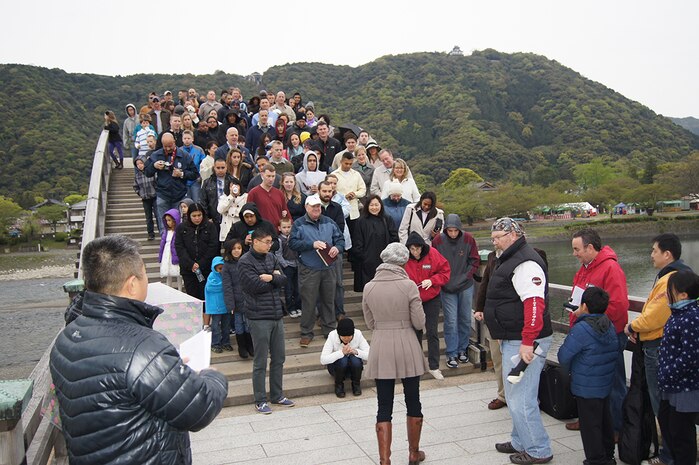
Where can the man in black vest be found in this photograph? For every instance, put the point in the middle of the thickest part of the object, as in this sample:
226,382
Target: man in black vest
516,313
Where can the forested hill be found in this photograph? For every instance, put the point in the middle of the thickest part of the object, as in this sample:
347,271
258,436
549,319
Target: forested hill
689,123
520,117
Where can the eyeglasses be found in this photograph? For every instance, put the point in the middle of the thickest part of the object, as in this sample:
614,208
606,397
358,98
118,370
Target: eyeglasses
266,242
497,238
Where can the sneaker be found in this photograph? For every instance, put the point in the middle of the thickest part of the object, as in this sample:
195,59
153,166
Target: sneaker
436,373
463,357
151,237
206,328
452,363
505,448
216,349
227,347
285,402
522,458
295,313
303,343
263,407
653,461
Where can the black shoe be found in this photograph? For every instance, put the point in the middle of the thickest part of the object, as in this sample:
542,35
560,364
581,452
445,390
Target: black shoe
356,389
506,448
242,345
522,458
340,390
151,237
463,357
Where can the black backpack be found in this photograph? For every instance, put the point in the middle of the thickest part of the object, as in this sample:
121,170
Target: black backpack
638,431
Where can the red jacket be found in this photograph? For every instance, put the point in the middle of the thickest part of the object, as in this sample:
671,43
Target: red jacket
432,265
605,272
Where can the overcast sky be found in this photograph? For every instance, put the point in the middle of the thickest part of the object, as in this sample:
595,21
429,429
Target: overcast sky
646,50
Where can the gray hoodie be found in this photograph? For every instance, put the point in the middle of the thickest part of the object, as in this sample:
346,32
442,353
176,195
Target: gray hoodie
129,126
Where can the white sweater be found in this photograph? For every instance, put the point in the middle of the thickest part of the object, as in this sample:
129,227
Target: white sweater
332,350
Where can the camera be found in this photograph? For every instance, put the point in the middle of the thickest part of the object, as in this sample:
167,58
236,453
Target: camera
167,164
570,307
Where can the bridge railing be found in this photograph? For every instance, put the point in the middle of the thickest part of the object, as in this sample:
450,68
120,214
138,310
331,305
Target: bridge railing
96,210
26,435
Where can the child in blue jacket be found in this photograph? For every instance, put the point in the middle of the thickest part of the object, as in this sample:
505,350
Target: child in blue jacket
216,307
589,352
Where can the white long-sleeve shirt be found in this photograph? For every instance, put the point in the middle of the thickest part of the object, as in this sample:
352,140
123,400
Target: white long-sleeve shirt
332,350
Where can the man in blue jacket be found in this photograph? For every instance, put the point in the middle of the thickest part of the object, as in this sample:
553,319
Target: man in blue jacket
314,235
590,352
173,168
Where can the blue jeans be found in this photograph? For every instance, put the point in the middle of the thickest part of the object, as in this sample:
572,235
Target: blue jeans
344,364
241,323
220,329
650,360
134,151
161,206
457,320
194,191
528,432
111,146
618,393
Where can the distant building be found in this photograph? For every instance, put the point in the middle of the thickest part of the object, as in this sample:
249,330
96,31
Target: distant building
47,202
255,77
456,51
76,215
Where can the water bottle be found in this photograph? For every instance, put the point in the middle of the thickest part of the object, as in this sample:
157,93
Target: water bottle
200,277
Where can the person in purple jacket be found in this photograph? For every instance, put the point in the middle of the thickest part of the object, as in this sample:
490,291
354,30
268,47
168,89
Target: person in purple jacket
167,256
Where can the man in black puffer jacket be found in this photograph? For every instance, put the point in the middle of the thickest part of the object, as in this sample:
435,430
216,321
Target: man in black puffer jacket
262,282
124,394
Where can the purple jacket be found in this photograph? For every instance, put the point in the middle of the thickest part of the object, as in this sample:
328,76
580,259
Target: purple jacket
175,214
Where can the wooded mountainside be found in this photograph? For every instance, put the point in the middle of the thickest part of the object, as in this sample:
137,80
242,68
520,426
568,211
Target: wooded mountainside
518,117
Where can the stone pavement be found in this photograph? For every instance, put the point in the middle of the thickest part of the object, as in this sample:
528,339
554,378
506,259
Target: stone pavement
458,430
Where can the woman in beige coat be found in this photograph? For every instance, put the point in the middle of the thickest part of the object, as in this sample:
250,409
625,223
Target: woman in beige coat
393,311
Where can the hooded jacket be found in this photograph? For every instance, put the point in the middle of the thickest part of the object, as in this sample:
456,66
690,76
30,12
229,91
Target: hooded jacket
240,230
213,291
232,289
175,214
590,352
124,393
263,300
461,253
656,311
130,123
678,358
431,265
302,176
605,272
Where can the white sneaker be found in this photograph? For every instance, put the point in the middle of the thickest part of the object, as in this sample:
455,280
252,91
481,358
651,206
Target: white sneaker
437,374
653,461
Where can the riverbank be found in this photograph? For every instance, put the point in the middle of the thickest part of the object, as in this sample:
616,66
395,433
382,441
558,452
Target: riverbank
56,263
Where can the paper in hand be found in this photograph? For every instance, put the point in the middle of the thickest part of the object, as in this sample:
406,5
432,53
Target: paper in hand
515,375
198,349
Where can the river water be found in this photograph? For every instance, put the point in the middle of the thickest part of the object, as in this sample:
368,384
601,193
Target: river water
32,310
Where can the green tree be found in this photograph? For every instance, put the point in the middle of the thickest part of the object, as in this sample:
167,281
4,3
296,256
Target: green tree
594,174
649,171
53,214
461,177
72,199
9,211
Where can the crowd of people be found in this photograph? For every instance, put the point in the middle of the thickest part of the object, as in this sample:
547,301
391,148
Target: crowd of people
288,198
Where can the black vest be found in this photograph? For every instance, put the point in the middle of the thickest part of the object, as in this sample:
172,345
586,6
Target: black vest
504,311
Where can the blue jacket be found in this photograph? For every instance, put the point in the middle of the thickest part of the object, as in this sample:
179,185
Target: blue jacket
678,358
590,352
306,231
213,292
166,187
395,210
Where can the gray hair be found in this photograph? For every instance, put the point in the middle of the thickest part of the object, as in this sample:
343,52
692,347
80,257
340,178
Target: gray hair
109,261
395,253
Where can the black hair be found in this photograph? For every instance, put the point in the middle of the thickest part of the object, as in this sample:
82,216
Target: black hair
109,261
433,197
367,201
589,236
228,247
261,232
683,281
669,242
196,207
348,156
596,300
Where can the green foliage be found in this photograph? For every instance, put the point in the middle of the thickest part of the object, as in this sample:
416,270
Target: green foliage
72,199
517,118
60,236
461,177
53,214
9,211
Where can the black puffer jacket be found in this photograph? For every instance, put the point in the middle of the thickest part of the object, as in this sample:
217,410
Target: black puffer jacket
196,244
124,394
263,301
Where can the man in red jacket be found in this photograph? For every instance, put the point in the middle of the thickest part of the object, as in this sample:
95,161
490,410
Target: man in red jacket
430,271
600,268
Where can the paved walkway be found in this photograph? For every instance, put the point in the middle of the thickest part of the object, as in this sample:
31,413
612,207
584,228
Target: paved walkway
458,430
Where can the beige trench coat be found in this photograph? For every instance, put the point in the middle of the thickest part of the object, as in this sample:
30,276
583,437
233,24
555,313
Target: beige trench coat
393,311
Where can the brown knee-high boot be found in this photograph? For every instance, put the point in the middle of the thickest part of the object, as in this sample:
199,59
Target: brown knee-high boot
384,434
414,430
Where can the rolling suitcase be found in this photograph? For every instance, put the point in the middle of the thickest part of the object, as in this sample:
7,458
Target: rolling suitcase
555,397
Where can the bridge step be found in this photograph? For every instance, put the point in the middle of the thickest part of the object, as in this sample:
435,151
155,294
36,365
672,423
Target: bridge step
303,373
